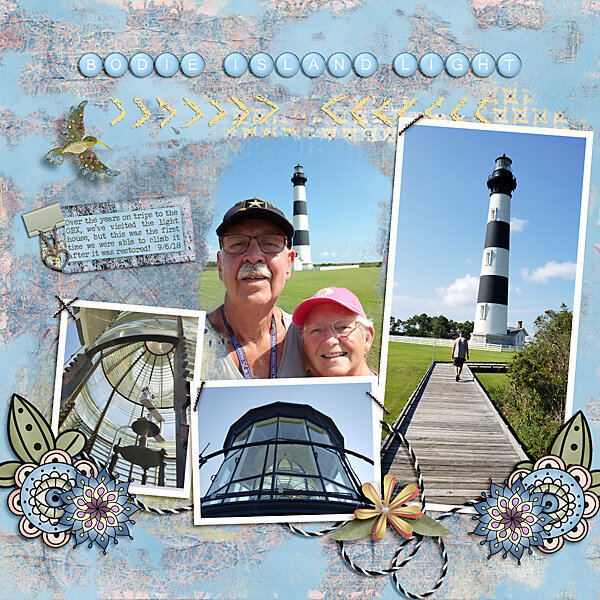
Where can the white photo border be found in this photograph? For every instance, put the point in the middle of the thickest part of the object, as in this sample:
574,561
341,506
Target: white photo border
149,490
376,416
583,221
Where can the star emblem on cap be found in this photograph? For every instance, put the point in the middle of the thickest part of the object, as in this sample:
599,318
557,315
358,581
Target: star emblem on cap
255,203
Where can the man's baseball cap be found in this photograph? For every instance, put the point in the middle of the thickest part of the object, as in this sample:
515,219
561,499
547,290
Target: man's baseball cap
255,208
331,295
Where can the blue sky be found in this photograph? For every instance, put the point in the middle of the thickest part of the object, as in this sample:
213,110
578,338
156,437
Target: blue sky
442,218
342,192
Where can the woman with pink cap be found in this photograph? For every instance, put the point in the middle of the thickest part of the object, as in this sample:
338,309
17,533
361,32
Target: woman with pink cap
336,334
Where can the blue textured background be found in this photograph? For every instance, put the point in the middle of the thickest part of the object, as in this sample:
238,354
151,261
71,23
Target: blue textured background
40,44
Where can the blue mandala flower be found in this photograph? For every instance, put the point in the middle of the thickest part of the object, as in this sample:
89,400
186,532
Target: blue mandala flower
512,519
98,509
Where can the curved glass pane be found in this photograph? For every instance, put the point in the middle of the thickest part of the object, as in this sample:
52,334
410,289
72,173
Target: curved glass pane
292,429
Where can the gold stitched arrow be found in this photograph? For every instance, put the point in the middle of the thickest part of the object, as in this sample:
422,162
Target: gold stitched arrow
325,108
245,110
274,108
500,115
539,116
454,111
195,108
377,113
560,118
145,114
481,105
221,114
118,104
436,104
172,111
406,106
354,112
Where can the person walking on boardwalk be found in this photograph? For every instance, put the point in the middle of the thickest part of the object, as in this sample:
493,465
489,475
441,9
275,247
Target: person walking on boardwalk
460,352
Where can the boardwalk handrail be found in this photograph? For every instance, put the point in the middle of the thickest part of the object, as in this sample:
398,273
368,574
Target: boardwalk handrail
407,406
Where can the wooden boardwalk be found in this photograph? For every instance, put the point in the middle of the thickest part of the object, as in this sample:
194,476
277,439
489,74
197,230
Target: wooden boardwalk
459,438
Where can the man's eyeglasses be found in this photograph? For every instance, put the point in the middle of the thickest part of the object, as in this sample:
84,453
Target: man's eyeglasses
340,328
237,243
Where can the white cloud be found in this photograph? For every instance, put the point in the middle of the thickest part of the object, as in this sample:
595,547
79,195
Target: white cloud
327,254
468,260
551,269
456,301
461,292
514,289
517,224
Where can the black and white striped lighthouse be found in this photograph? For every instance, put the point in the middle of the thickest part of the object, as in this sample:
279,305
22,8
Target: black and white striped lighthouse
492,299
301,241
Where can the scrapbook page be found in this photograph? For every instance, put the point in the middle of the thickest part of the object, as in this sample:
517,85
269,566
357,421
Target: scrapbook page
299,299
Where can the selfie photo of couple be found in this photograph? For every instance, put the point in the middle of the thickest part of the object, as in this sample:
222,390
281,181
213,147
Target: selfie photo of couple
279,311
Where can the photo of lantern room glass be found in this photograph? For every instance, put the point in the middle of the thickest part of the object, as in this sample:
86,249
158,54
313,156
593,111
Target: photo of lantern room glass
286,458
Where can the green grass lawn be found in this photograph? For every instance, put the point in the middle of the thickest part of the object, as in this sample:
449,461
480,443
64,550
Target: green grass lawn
407,363
364,282
493,381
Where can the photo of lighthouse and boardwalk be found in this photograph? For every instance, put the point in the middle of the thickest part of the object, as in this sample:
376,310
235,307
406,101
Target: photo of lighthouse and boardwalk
486,239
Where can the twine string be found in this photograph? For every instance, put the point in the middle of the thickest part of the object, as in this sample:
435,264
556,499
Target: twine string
198,395
417,118
65,305
397,562
379,403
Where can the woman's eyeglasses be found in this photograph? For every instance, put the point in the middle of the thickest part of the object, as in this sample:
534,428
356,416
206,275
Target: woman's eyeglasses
237,243
340,328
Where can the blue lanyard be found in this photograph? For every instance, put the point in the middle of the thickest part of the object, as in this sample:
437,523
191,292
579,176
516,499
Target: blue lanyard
246,372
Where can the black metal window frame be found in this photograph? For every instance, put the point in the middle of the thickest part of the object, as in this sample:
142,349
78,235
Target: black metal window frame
274,494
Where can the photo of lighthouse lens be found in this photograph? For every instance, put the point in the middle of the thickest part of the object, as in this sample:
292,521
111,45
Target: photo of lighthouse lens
124,380
483,299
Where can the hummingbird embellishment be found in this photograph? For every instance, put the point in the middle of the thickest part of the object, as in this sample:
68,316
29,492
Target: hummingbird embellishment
80,145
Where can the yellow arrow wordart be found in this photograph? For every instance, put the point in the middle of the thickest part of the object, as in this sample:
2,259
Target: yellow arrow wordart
379,114
172,111
436,104
245,111
118,104
407,105
274,108
219,116
354,112
195,108
327,105
478,114
145,114
454,111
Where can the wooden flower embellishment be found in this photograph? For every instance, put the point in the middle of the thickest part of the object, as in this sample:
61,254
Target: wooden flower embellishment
388,509
405,519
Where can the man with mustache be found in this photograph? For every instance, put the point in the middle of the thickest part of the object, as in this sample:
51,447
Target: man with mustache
248,335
